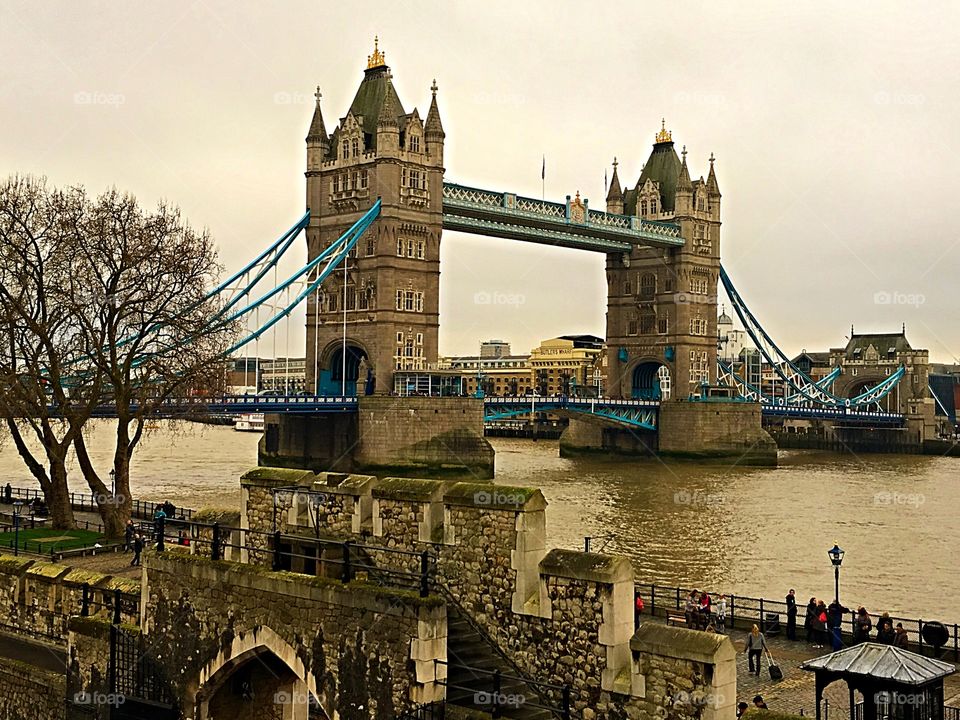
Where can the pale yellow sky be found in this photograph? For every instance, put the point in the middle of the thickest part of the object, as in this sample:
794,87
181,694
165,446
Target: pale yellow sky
835,125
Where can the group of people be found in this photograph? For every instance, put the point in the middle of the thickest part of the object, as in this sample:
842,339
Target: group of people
702,613
825,621
757,703
134,540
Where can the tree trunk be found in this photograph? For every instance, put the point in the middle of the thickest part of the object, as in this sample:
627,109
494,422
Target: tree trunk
58,499
113,504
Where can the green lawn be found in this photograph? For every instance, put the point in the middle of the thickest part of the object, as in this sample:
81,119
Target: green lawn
46,540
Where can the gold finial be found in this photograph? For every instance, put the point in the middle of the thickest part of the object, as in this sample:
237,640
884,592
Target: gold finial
378,59
711,159
434,88
318,95
614,162
664,136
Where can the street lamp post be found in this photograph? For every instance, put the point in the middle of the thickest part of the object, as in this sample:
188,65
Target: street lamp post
836,557
113,482
16,527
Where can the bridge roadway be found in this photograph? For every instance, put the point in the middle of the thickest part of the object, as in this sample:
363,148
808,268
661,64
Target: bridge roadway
640,414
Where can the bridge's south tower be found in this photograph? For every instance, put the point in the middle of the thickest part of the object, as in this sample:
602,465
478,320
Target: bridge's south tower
387,301
661,311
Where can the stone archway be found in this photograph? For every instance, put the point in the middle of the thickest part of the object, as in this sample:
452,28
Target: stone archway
331,366
650,380
258,675
858,386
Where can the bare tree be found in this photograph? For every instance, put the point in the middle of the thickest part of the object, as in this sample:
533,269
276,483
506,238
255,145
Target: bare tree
142,326
39,334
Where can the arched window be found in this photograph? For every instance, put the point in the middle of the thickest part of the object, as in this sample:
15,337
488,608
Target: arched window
653,206
345,150
648,286
648,321
643,207
355,147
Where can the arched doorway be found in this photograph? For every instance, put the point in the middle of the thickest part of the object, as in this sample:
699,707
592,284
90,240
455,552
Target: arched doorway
260,676
651,381
331,373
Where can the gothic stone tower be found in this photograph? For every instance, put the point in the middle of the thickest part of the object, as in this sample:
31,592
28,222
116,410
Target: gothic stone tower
661,311
393,274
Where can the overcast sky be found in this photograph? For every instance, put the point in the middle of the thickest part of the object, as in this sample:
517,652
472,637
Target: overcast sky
835,125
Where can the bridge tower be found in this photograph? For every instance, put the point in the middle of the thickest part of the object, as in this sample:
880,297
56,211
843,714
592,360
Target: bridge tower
386,302
661,303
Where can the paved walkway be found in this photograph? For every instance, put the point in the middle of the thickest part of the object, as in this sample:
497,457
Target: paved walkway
796,691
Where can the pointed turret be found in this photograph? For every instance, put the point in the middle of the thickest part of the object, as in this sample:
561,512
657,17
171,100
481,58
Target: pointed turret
712,187
388,120
615,193
433,126
318,144
684,201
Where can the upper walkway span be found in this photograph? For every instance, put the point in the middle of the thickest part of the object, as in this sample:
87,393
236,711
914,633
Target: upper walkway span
572,224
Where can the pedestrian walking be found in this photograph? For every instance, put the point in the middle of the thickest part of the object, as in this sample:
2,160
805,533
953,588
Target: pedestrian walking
759,703
810,621
756,644
791,615
128,533
637,610
690,610
137,549
900,637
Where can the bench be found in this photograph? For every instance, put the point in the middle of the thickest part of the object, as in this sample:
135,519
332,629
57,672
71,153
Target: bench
676,619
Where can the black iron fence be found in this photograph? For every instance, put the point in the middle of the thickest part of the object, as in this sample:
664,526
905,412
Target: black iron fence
120,606
345,560
427,711
87,502
771,615
493,691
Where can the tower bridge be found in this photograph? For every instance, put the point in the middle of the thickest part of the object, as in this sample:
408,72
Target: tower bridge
377,204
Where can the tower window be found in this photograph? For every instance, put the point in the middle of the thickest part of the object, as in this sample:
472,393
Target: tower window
414,143
648,286
345,150
662,326
355,147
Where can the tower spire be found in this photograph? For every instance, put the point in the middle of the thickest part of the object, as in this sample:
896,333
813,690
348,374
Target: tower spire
318,131
712,187
615,193
433,128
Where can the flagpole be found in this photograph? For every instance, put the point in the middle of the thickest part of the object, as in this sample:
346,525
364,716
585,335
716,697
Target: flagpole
543,180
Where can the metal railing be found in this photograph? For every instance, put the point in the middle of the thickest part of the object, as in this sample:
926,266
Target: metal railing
346,560
116,602
87,502
494,700
744,610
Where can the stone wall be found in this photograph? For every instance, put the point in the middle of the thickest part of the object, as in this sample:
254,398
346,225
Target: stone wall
29,693
423,437
37,598
686,674
714,430
203,616
88,657
561,617
591,437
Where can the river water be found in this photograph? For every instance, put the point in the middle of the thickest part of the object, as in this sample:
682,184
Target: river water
750,531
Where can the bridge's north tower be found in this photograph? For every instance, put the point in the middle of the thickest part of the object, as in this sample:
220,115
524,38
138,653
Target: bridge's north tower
387,300
661,303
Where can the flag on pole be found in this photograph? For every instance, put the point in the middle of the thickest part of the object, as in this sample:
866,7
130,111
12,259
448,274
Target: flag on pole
543,170
604,179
